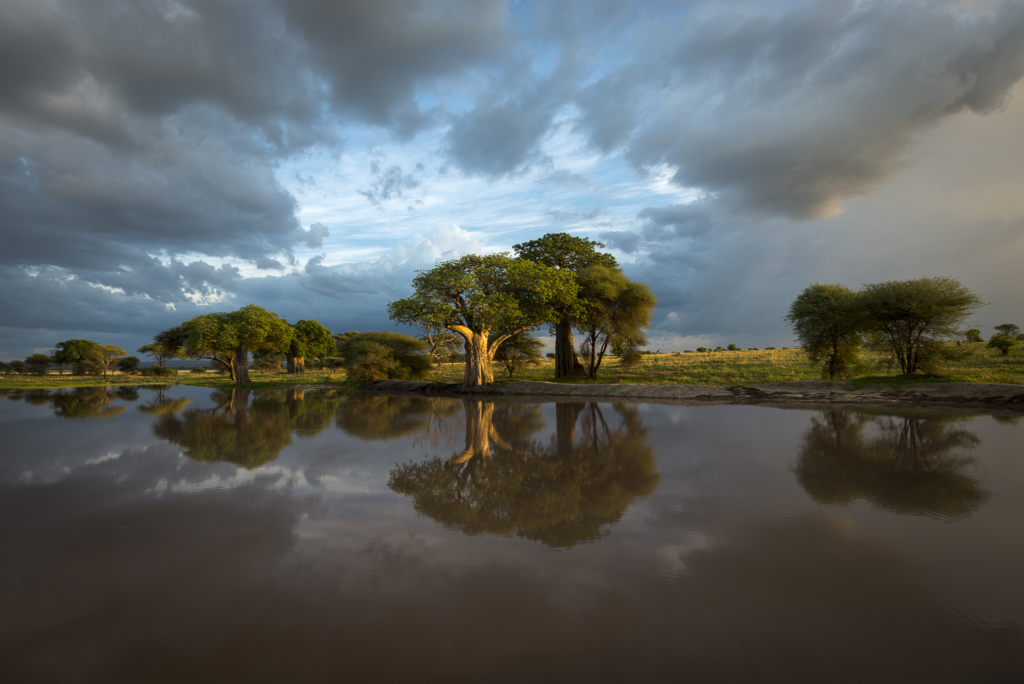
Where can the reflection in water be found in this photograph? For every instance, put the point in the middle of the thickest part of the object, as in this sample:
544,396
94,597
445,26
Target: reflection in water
160,404
503,482
247,434
904,464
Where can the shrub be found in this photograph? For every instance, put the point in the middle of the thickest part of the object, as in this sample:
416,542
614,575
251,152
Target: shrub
973,335
1003,343
197,370
733,347
158,372
374,356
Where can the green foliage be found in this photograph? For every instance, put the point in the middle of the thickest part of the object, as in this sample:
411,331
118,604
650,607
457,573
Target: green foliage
565,251
17,366
129,365
616,309
267,362
159,371
1003,343
38,363
197,370
911,320
101,356
478,295
226,338
829,323
71,353
310,338
1010,330
732,347
166,345
374,356
518,351
973,335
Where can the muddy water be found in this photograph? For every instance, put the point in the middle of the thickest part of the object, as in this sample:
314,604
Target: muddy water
180,534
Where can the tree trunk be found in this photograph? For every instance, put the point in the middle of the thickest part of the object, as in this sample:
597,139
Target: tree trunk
291,362
300,364
478,361
242,366
566,361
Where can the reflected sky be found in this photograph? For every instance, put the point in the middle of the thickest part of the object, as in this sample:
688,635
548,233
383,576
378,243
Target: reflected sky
234,533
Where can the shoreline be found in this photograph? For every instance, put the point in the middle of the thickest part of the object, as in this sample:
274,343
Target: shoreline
795,394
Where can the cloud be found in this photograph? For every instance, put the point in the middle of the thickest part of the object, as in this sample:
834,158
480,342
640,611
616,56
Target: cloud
793,113
389,184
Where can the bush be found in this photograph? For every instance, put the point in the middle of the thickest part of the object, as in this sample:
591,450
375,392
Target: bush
973,335
129,365
733,347
267,364
702,350
197,370
1003,343
158,372
374,356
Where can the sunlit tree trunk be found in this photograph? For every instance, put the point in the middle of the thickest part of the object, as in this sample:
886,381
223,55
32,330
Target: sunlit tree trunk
478,360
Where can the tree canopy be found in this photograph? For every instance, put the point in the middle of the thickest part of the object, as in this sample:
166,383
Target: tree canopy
476,296
617,309
829,323
374,356
309,338
518,351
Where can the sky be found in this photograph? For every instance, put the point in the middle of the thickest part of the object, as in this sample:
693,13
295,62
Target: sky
160,159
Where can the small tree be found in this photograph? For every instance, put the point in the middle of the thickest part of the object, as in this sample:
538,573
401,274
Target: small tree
374,356
17,366
476,296
102,355
441,343
166,345
973,335
518,351
913,319
829,324
72,353
1008,330
129,365
38,363
1003,343
616,308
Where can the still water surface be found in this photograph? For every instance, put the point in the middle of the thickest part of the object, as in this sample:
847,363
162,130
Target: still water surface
179,534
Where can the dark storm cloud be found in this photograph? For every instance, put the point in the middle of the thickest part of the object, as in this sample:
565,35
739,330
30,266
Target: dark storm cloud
791,114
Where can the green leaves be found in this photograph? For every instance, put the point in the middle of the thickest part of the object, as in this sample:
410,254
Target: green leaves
483,293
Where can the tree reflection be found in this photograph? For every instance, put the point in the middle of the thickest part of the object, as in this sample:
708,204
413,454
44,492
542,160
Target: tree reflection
904,464
507,483
248,434
160,404
86,402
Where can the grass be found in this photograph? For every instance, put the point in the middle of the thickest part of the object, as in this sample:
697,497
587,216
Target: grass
722,369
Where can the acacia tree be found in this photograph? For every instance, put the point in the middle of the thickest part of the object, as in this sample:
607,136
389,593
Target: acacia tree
570,253
102,355
519,350
914,318
1011,330
485,300
308,338
828,322
71,353
226,338
166,345
617,308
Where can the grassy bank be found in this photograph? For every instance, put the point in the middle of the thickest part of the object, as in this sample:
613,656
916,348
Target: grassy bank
721,369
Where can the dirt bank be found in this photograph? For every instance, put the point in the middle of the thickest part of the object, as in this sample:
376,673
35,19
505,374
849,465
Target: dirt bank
810,392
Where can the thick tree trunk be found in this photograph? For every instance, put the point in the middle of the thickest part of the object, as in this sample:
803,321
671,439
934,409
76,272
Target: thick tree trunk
291,362
242,366
566,361
300,364
478,361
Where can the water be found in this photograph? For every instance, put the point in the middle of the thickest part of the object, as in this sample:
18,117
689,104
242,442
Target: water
180,534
